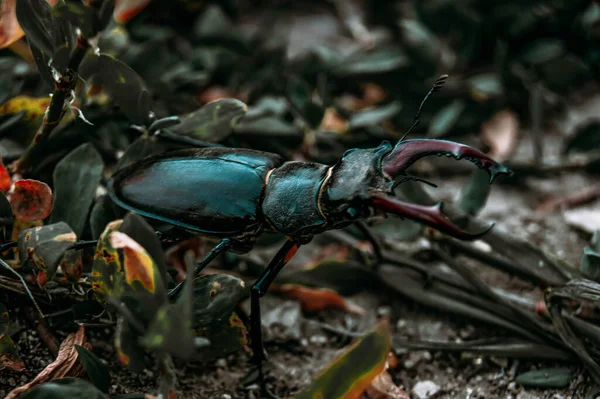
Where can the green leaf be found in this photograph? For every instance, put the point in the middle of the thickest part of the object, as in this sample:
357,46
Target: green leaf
267,126
546,378
108,276
140,231
45,246
4,319
103,212
94,368
374,116
420,40
543,50
352,372
474,194
376,61
486,86
589,263
213,23
9,355
35,18
123,85
213,122
72,388
445,119
346,278
76,178
129,351
79,15
140,148
215,298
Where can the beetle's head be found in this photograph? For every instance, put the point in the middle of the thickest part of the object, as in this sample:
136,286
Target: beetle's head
363,182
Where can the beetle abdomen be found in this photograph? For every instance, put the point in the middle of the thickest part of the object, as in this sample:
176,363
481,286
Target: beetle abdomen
211,191
291,202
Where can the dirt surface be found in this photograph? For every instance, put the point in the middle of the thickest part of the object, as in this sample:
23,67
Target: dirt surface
299,349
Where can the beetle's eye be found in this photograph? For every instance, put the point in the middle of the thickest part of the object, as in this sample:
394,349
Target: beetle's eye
352,212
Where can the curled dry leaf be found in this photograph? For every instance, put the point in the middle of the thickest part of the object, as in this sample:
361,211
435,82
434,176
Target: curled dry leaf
31,200
67,363
383,387
501,134
314,299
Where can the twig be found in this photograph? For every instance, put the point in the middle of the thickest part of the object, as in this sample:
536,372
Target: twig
43,331
11,270
63,88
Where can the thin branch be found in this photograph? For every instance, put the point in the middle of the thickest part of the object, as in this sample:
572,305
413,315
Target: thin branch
63,88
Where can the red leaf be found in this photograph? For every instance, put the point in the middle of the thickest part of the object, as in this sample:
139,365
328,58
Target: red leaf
5,179
31,200
313,299
127,9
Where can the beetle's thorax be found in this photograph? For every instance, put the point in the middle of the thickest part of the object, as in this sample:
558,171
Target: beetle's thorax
303,198
358,173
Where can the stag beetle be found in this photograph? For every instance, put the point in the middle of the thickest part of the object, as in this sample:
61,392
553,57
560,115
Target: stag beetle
238,194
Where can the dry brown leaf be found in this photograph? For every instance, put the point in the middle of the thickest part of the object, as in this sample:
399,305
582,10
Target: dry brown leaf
313,299
67,363
501,134
10,31
333,121
383,387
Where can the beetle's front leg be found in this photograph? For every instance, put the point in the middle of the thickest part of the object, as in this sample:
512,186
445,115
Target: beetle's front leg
259,289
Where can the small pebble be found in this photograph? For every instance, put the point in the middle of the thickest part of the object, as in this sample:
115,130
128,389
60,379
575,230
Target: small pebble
12,382
527,395
424,389
318,339
512,386
226,396
221,363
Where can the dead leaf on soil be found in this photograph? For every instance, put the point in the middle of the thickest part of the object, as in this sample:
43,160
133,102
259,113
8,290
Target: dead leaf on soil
314,299
67,363
9,355
383,387
501,134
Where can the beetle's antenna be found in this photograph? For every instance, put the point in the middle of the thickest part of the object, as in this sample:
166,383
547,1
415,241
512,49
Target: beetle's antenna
436,87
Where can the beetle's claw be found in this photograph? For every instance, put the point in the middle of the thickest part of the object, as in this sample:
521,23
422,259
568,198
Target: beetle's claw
408,152
431,216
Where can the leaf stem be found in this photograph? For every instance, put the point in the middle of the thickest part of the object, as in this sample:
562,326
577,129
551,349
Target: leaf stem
63,87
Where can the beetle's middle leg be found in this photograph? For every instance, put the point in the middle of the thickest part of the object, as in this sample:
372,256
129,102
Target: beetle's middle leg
375,244
259,289
224,245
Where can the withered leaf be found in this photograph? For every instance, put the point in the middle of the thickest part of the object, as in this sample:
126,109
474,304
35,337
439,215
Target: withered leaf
66,364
